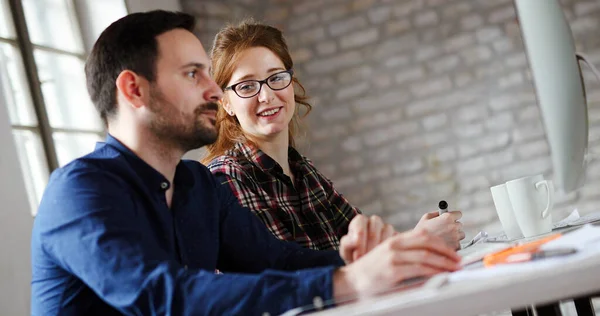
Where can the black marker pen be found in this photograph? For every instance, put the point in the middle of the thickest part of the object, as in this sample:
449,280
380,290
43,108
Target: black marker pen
442,207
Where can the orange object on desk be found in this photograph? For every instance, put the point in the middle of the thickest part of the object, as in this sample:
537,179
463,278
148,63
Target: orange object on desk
501,256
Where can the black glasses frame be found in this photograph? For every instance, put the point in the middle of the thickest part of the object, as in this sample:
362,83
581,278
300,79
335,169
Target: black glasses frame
261,82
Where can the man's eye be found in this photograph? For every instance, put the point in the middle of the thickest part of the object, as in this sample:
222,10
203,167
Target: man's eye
192,74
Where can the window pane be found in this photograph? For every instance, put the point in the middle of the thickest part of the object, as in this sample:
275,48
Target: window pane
7,29
52,23
105,13
98,15
70,145
33,164
63,84
15,89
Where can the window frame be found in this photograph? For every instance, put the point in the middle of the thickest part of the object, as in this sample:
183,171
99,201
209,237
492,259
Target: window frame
26,50
86,32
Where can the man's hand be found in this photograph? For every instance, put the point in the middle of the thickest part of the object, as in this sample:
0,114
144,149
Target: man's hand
413,254
445,226
364,234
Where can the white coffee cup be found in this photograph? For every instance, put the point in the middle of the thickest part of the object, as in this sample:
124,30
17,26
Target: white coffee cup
532,200
505,212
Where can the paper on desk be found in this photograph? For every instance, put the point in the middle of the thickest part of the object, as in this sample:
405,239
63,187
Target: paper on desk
580,239
585,239
572,220
586,219
568,220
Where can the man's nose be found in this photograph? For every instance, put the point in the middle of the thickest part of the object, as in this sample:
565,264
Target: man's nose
214,93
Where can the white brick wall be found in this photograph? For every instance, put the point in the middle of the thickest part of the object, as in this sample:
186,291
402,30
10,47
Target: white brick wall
418,100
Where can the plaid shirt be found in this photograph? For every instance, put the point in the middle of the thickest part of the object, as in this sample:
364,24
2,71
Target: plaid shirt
310,212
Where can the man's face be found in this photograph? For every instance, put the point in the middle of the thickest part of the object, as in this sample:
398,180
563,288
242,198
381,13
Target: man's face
183,96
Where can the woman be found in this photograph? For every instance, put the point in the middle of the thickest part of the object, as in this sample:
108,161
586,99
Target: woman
255,153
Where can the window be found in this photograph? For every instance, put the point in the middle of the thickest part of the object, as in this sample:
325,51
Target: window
43,50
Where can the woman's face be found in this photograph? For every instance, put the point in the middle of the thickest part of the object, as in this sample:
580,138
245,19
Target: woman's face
268,113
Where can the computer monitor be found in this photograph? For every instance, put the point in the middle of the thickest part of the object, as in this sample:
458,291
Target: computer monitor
559,87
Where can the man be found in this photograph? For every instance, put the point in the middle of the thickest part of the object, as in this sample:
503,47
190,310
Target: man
132,229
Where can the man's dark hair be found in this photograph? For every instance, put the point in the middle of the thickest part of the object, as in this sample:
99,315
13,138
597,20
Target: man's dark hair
129,43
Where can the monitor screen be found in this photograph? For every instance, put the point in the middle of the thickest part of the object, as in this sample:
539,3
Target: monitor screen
559,88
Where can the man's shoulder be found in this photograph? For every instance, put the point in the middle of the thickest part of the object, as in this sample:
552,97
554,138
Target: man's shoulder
103,163
199,170
100,176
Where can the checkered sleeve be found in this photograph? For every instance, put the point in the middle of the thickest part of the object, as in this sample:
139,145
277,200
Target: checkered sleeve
248,192
343,211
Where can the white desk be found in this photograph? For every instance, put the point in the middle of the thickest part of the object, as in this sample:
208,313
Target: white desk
579,278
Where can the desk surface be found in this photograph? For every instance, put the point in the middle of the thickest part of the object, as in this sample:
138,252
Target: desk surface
579,277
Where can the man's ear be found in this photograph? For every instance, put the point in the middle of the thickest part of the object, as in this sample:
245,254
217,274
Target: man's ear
133,88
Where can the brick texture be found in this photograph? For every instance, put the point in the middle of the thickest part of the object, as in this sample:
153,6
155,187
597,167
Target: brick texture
416,101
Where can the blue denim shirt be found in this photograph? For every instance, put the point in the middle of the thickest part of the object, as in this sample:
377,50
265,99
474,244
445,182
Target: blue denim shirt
104,242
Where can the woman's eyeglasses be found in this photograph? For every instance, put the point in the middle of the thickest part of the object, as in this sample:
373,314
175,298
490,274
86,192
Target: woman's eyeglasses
250,88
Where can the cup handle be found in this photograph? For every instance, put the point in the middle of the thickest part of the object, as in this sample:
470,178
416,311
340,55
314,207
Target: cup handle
550,201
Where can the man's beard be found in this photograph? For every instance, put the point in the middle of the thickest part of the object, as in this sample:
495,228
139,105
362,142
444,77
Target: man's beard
178,129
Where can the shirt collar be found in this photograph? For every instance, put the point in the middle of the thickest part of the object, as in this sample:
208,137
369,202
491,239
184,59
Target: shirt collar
264,161
183,177
296,160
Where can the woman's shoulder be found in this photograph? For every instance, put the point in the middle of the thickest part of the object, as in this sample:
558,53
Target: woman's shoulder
223,161
229,163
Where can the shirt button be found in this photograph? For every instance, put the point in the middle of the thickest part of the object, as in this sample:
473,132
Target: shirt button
318,302
185,267
266,314
164,185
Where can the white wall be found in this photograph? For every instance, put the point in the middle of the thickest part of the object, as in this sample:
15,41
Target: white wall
15,225
146,5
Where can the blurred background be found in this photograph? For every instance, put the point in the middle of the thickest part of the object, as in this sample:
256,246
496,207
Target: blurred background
413,101
420,100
